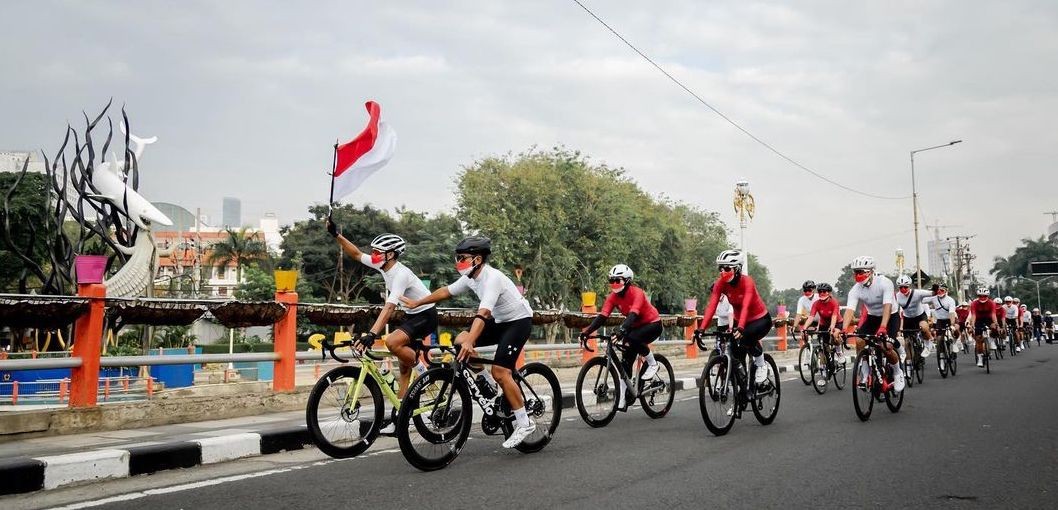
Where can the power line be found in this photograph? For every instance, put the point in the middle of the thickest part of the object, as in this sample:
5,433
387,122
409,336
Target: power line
728,119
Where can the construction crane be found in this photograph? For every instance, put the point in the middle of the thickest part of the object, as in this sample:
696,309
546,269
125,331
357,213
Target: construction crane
936,229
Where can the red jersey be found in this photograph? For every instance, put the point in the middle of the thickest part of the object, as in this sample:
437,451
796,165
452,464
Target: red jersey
634,301
983,310
826,310
962,313
744,299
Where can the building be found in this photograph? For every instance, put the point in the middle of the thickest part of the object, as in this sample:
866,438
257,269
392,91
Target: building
939,252
12,161
231,213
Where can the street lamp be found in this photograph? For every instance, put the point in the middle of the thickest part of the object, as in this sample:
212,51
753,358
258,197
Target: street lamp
1039,303
745,206
914,206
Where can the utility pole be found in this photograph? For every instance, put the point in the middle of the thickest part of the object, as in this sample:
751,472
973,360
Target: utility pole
962,258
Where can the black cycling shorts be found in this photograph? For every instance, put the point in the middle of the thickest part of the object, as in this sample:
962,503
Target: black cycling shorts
980,327
913,322
943,324
873,322
508,337
1012,323
420,325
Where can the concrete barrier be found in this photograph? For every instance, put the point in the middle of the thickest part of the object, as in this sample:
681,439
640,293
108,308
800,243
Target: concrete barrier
60,470
225,448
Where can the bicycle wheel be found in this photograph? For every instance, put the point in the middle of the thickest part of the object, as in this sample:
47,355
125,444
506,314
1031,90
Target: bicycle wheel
820,377
767,395
597,404
920,369
953,360
338,425
1013,347
434,419
909,370
716,396
862,388
988,365
804,359
942,358
657,394
841,375
543,402
893,399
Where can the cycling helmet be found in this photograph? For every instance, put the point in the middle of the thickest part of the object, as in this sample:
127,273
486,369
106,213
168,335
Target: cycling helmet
1017,300
622,271
825,287
1048,312
808,285
998,301
943,286
389,242
731,258
1024,306
863,262
982,291
475,245
903,281
1035,310
1008,298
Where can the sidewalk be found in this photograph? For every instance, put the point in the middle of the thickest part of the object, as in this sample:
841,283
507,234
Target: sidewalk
49,462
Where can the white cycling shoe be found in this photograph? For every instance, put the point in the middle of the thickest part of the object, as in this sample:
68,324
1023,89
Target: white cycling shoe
980,361
651,371
839,356
899,381
519,435
760,375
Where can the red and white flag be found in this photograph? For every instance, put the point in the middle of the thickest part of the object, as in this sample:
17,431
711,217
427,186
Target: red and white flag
362,156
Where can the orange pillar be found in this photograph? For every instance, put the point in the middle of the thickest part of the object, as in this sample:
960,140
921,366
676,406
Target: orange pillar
285,334
88,338
14,393
63,389
688,334
593,344
782,337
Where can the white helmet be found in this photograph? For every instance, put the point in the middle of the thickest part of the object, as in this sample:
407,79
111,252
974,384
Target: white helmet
1008,298
863,262
622,271
1017,300
998,301
1024,306
389,242
1048,312
982,291
731,258
903,281
1035,310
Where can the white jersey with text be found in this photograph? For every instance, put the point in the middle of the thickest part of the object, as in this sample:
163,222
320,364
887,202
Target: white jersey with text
497,294
874,297
943,307
400,281
911,304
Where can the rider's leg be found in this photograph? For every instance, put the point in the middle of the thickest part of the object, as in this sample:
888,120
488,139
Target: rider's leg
927,335
752,335
399,343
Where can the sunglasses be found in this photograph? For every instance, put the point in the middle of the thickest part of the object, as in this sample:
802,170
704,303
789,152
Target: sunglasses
464,257
905,286
824,293
862,271
726,269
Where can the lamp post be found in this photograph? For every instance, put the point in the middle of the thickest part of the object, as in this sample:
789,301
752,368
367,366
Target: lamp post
914,207
1039,302
745,206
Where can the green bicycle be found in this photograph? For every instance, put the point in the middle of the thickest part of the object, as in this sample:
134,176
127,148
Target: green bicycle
345,410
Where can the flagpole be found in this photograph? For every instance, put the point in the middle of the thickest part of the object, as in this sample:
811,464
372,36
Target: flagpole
334,165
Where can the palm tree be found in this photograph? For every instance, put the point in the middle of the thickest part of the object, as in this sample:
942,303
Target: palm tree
239,248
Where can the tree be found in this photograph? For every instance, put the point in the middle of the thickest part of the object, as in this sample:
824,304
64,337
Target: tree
1011,271
22,228
239,248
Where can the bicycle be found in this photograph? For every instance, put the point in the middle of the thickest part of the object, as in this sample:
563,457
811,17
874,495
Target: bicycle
998,338
604,372
437,410
947,357
1012,341
727,390
804,358
352,416
823,365
873,379
916,367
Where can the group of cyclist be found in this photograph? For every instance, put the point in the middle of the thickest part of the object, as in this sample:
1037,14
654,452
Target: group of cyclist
504,317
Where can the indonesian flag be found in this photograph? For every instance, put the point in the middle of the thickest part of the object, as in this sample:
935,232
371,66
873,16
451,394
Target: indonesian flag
357,159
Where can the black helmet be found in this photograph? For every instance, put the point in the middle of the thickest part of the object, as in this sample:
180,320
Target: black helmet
475,245
824,287
808,285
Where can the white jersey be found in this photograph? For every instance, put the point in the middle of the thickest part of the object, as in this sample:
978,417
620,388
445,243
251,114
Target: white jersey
400,281
497,294
911,304
875,297
724,311
1011,312
943,307
804,304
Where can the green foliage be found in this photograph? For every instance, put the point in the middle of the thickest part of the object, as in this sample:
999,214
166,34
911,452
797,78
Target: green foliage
239,248
27,222
173,336
1012,274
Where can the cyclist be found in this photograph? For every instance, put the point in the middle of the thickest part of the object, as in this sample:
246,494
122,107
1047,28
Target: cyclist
1037,324
804,303
752,320
963,313
913,312
1012,313
1025,322
984,315
828,311
504,319
1048,325
875,291
642,324
944,308
419,322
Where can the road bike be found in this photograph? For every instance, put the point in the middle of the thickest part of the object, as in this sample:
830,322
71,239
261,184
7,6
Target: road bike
823,365
947,357
597,403
434,419
1011,341
873,379
915,368
345,408
727,390
999,341
804,358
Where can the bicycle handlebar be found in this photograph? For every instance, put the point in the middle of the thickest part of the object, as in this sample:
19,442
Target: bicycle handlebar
584,339
700,335
330,348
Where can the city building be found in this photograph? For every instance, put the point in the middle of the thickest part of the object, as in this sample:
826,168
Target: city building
231,213
939,253
12,161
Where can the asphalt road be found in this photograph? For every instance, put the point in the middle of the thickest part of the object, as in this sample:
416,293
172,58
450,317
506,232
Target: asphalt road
975,441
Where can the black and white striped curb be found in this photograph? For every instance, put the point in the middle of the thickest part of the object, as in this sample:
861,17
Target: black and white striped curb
26,474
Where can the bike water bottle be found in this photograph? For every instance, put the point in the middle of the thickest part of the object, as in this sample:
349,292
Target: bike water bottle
390,379
421,368
487,390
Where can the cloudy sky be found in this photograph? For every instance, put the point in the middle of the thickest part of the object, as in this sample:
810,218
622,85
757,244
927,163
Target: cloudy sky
247,98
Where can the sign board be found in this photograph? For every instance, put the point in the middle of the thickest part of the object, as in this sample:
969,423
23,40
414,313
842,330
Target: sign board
1047,268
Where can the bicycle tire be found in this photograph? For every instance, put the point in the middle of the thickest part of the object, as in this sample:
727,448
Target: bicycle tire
820,377
455,439
667,393
717,387
895,400
841,375
920,370
760,407
909,370
803,359
953,362
988,365
537,405
366,435
942,363
862,390
609,387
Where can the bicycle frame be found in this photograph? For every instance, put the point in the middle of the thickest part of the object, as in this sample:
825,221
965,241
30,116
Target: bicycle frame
631,381
368,367
876,379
